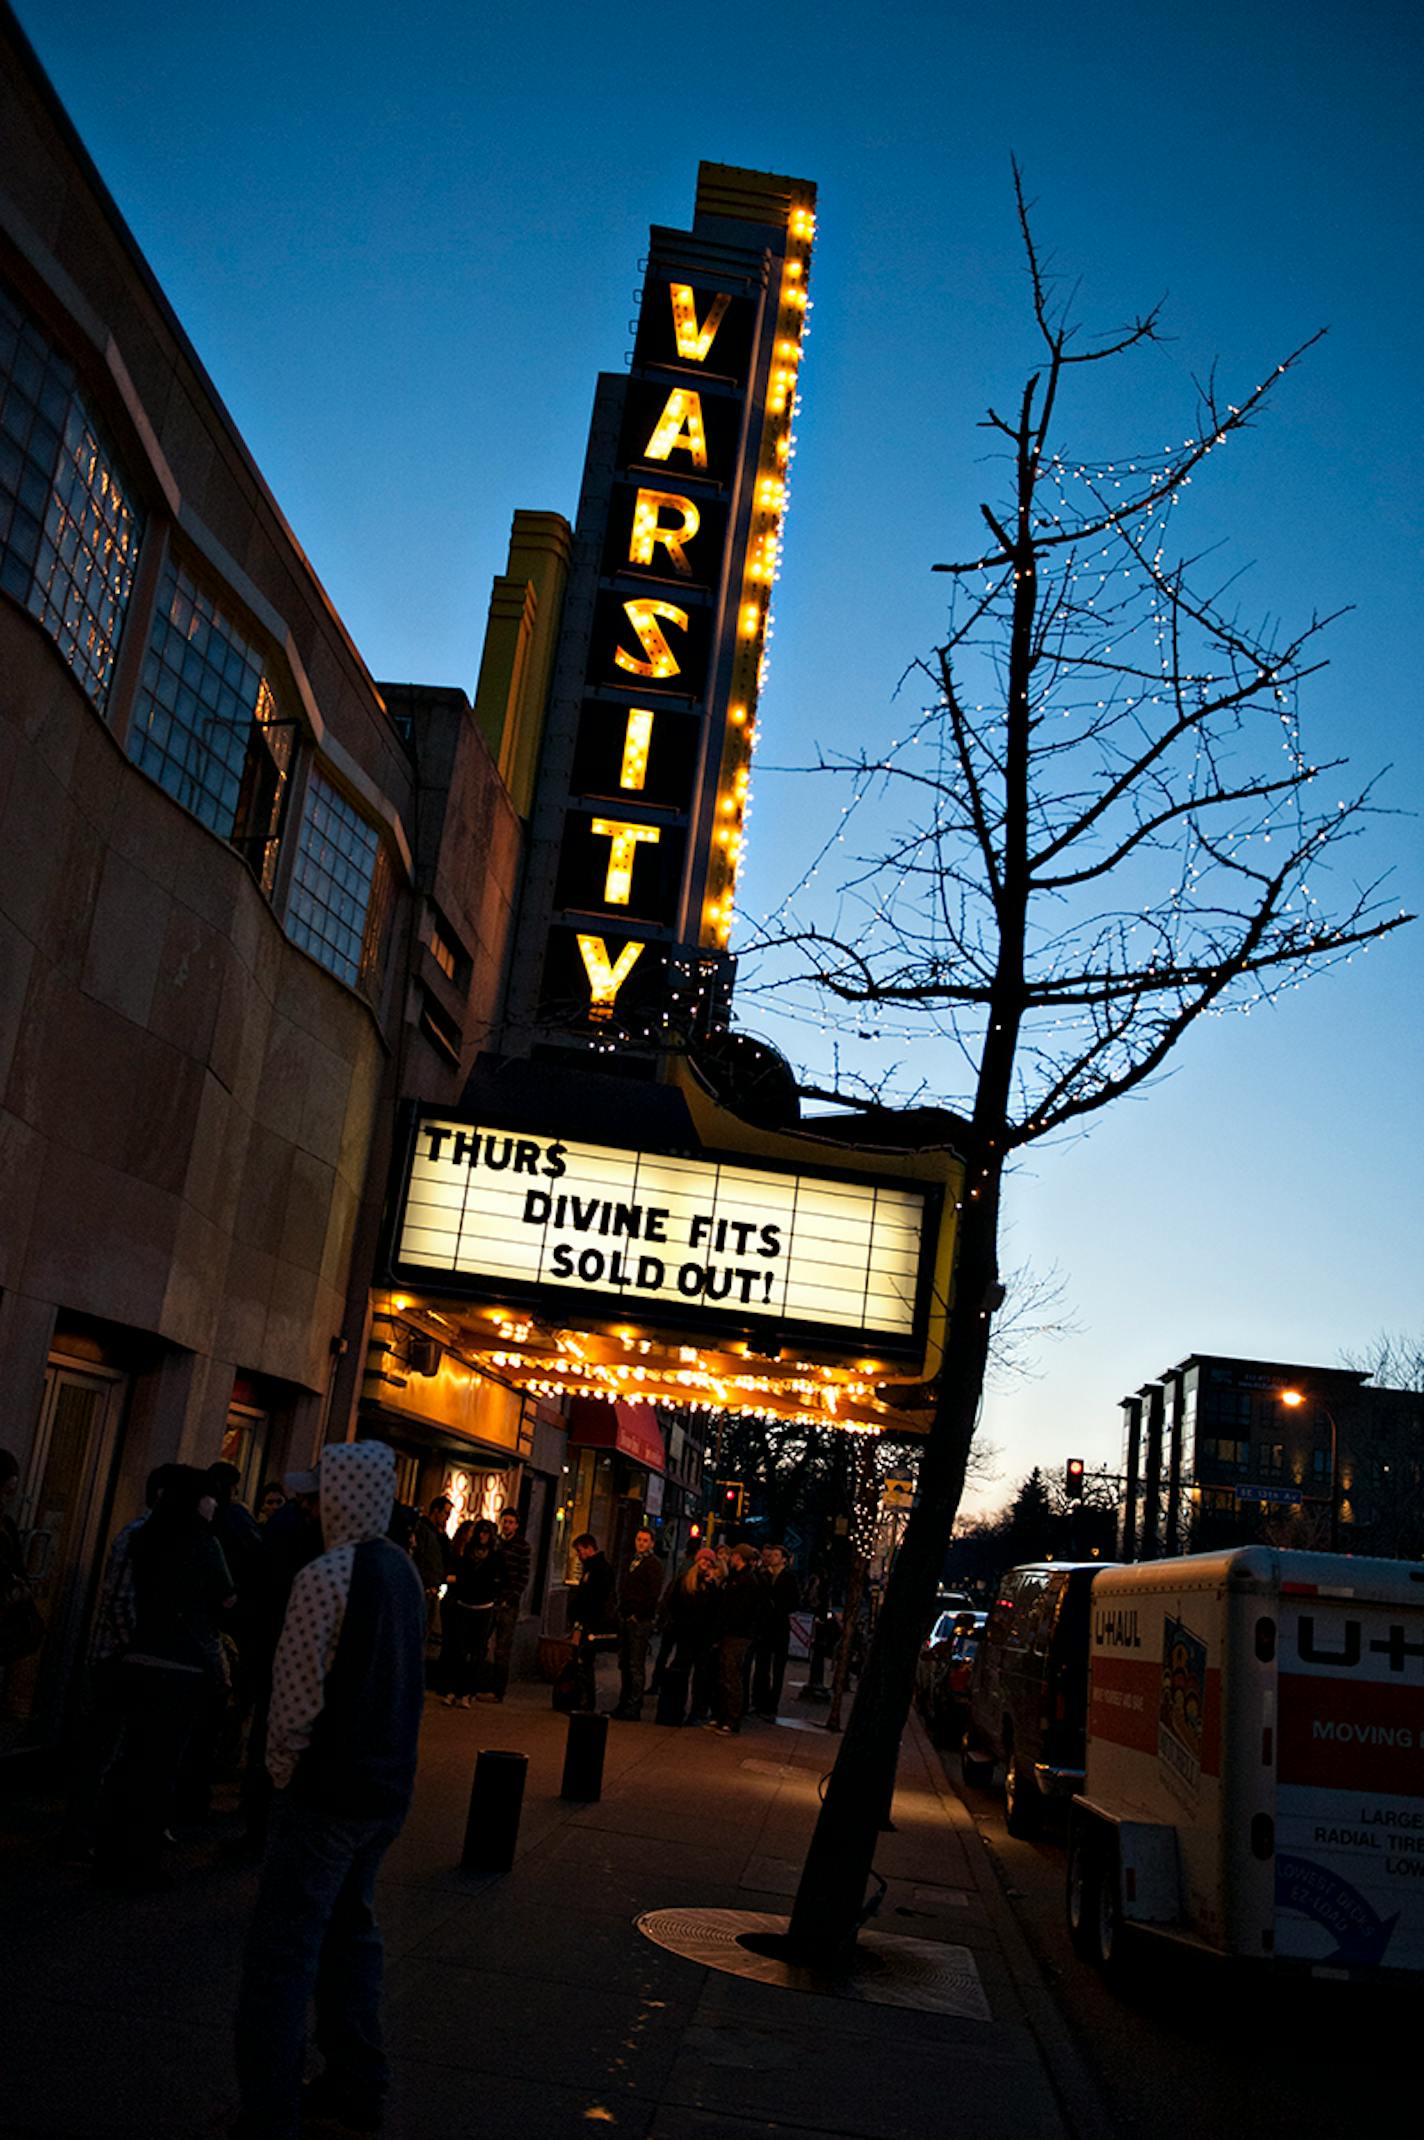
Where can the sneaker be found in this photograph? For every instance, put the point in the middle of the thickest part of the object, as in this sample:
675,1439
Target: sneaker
467,1701
452,1701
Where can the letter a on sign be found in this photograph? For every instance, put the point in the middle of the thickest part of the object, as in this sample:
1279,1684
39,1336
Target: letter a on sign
693,342
680,428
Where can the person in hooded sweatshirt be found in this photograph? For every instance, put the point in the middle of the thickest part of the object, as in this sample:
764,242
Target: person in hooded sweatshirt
347,1693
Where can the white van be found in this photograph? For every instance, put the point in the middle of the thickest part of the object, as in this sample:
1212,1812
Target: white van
1255,1761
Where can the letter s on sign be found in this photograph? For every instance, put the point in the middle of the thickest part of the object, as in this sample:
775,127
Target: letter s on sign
643,616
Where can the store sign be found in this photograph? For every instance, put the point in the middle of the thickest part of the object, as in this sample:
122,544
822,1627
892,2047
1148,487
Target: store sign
688,551
702,1241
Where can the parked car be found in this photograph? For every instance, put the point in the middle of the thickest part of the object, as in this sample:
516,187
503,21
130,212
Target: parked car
943,1676
1028,1700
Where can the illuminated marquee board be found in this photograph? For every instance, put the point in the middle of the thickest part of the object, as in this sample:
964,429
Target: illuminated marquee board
644,785
709,1242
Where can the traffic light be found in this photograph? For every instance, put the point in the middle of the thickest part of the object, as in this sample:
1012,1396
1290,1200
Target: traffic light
1073,1478
730,1495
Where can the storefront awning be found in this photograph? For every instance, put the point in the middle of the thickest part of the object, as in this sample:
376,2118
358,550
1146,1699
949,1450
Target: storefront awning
632,1429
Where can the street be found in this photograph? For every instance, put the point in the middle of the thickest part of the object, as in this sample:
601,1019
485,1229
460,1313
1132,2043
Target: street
1191,2047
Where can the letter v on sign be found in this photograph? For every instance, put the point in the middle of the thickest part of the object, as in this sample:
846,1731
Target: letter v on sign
694,340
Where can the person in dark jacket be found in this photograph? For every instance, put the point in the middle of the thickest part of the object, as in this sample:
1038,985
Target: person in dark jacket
516,1559
171,1671
774,1644
640,1590
592,1617
689,1633
467,1614
291,1537
431,1551
347,1694
741,1618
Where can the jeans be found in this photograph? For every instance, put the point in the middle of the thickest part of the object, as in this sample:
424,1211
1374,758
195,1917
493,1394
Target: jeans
313,1931
506,1620
161,1704
769,1668
731,1680
633,1639
467,1633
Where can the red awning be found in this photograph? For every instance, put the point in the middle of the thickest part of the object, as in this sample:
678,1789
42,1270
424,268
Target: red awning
631,1428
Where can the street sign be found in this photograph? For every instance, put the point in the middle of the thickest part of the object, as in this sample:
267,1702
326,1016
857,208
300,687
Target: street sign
897,1493
1268,1493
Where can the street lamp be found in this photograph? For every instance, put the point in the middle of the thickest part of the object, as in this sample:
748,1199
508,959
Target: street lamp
1294,1399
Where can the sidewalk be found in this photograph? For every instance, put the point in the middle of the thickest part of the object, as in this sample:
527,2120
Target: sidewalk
530,2005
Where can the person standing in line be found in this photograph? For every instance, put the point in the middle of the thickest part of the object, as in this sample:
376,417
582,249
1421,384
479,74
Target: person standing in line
469,1610
516,1558
291,1537
742,1608
774,1645
347,1696
272,1497
431,1551
640,1590
592,1617
171,1670
108,1646
688,1633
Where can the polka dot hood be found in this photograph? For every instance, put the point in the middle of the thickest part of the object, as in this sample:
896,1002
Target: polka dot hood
358,1492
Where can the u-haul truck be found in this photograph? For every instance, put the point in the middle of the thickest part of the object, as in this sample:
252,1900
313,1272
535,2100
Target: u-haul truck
1255,1761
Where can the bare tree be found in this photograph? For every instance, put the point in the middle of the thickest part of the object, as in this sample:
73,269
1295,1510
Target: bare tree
1393,1360
1114,830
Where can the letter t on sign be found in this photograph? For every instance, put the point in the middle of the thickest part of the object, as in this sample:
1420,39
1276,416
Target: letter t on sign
626,839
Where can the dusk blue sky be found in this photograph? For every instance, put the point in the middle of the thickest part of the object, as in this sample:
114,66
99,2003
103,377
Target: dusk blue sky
404,243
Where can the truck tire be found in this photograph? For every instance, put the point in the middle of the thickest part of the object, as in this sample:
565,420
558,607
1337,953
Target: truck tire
976,1771
1080,1893
1023,1800
1111,1936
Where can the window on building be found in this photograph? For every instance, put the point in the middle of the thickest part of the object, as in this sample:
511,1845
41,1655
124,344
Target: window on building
1320,1463
446,949
439,1028
1233,1454
206,724
69,527
1271,1460
1227,1408
341,887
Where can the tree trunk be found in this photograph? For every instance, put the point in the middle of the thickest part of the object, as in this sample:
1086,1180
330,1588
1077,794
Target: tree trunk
850,1611
830,1900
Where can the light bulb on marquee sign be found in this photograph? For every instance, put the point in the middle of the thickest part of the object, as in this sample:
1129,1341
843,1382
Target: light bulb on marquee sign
688,541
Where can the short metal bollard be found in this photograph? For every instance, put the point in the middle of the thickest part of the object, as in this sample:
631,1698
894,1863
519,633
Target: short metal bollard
583,1757
496,1799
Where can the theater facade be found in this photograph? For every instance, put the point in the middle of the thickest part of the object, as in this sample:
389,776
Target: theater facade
364,1046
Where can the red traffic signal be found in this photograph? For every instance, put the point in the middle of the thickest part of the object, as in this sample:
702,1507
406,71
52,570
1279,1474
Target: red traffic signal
1073,1478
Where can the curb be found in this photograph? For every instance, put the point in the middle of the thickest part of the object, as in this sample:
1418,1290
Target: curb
1085,2110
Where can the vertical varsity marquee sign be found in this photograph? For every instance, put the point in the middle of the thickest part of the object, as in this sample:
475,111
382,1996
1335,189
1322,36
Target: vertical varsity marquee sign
644,774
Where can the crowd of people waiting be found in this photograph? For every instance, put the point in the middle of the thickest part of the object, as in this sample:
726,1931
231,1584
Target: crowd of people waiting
725,1625
191,1610
186,1628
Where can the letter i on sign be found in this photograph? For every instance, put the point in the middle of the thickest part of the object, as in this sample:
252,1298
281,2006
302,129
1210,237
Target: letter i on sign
637,738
